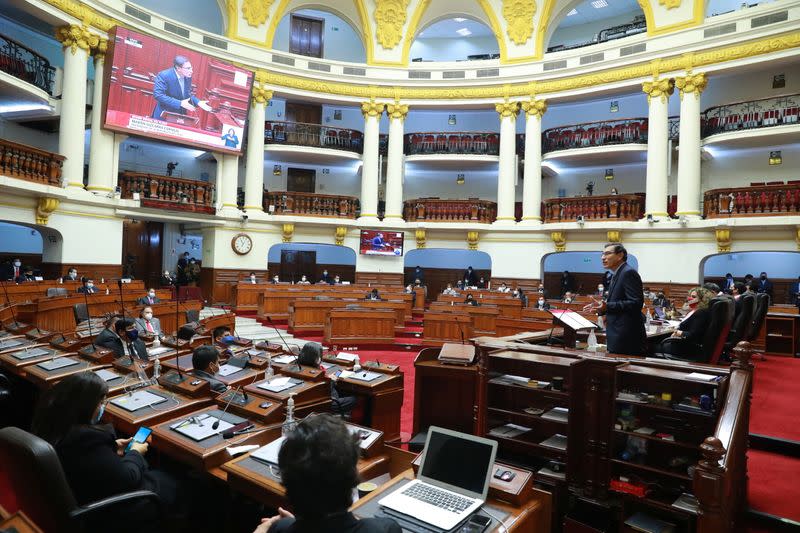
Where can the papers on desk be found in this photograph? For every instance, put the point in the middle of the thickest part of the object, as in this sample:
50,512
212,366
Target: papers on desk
269,453
560,414
279,384
350,357
236,450
254,353
55,364
107,375
571,319
364,376
10,343
557,441
137,400
227,370
28,354
155,352
284,359
701,377
201,427
365,436
508,431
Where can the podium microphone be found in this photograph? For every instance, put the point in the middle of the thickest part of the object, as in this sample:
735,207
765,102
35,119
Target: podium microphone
288,350
10,305
231,434
89,316
215,425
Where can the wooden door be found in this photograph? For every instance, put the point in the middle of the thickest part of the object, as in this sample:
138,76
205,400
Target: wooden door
301,180
142,250
305,37
305,113
296,263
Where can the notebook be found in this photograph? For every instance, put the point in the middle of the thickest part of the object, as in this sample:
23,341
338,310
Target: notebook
28,354
269,452
279,384
137,400
55,364
201,427
452,483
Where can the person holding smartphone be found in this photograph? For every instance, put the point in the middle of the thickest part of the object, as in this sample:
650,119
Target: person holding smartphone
96,463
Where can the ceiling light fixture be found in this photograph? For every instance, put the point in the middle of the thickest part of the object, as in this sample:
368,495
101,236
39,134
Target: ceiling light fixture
573,12
465,32
597,4
459,19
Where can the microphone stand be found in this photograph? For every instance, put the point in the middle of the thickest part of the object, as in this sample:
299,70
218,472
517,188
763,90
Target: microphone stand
215,425
131,351
288,350
10,306
89,316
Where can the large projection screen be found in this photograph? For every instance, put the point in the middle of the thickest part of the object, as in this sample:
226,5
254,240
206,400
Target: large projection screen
154,88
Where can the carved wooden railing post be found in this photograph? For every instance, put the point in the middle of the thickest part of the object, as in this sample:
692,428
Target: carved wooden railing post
709,487
435,210
30,164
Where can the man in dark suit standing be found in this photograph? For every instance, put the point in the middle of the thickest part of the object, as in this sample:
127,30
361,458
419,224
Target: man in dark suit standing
172,89
469,277
625,331
764,285
11,271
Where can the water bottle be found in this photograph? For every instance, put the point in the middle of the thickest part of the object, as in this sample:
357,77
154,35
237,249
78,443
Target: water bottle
156,369
289,424
269,372
357,364
648,318
592,341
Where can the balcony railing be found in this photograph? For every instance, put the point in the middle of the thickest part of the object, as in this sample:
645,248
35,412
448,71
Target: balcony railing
310,204
639,25
30,164
165,192
304,134
457,142
758,200
436,210
604,133
610,207
23,63
753,114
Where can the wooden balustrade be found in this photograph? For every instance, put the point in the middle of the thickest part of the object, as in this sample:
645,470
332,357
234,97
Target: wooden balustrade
436,210
756,201
453,142
752,114
311,204
165,192
306,134
609,207
30,164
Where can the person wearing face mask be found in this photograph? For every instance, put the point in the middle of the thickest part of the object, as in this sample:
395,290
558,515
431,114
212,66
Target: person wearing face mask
568,297
11,271
72,275
542,304
26,275
470,300
685,341
252,279
325,277
276,280
727,286
167,280
504,288
192,272
336,280
150,299
95,462
148,324
123,339
303,280
764,285
601,291
661,301
88,286
205,364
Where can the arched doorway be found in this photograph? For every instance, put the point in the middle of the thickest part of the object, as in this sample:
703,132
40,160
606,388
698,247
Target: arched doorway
291,261
38,247
587,22
320,33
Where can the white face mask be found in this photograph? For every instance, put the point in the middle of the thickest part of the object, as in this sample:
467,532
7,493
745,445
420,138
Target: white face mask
541,302
90,285
253,278
17,263
600,288
73,275
303,278
148,316
151,294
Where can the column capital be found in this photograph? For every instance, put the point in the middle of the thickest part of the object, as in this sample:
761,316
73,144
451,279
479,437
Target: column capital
372,108
507,109
260,95
76,36
691,83
100,49
658,88
397,110
535,108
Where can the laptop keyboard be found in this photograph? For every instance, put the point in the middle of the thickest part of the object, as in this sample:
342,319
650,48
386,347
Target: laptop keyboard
439,498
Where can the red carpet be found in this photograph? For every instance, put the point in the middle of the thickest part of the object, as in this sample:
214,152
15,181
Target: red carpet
405,360
773,486
773,411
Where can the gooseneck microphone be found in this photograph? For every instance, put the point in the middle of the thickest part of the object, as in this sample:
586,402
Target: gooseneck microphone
288,350
122,304
10,306
215,425
89,316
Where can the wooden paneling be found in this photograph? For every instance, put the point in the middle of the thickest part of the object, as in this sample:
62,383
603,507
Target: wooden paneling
216,283
379,278
96,272
345,272
142,250
528,285
582,283
436,279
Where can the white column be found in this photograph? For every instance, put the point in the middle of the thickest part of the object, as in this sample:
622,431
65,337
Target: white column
394,166
658,92
506,170
689,198
254,171
118,139
227,181
369,169
101,142
77,41
532,173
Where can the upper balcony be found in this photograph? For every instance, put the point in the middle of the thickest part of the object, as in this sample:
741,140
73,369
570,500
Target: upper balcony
454,142
762,122
332,143
24,64
438,210
30,164
306,204
168,193
774,198
629,207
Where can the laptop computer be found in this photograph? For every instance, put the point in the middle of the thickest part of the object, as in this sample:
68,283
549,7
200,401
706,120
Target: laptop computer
452,482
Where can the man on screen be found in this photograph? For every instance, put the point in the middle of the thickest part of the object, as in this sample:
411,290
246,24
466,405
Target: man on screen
172,89
377,242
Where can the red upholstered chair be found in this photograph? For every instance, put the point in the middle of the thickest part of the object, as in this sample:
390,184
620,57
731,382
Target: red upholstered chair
344,138
441,143
453,143
268,131
493,143
428,143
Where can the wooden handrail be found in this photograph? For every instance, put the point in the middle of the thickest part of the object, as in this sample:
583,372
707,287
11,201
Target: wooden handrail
25,64
311,204
607,207
308,134
30,164
754,201
166,192
452,142
606,132
436,210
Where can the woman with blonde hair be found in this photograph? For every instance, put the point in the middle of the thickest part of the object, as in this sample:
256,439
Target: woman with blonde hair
686,341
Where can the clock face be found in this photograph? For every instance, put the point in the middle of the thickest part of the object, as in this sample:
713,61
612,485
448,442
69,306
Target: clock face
242,244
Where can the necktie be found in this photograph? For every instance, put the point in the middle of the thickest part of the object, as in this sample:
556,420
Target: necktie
150,327
16,272
149,300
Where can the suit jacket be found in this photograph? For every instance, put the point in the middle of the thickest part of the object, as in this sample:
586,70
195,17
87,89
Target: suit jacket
338,523
141,325
167,280
87,290
169,92
109,339
764,287
625,333
6,272
145,300
544,306
694,327
216,385
469,278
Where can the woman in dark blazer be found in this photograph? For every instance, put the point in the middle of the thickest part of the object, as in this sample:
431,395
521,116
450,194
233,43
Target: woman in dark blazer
95,462
686,342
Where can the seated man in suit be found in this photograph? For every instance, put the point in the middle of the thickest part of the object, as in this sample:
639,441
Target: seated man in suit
148,324
205,364
661,301
88,286
26,275
11,271
482,283
336,280
303,280
276,279
72,275
252,279
504,288
325,277
470,300
150,299
685,343
167,279
542,304
568,297
123,338
373,295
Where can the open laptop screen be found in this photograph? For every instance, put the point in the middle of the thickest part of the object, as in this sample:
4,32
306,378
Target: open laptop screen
459,460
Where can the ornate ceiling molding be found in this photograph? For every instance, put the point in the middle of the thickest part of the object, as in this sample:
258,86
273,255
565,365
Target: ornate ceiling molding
256,12
518,15
390,17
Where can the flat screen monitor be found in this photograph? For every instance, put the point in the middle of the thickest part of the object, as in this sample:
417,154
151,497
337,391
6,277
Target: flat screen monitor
381,242
158,89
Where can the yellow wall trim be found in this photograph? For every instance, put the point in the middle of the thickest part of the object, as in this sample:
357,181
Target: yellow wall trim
87,215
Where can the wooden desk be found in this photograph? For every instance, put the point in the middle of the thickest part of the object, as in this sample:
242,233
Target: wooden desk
484,317
209,452
252,406
360,326
244,295
16,361
119,384
127,422
43,378
310,315
532,516
56,313
308,396
384,401
444,395
440,327
509,306
165,313
782,334
240,378
275,301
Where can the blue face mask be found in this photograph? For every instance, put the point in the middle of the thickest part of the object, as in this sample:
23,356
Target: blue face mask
228,339
132,334
96,420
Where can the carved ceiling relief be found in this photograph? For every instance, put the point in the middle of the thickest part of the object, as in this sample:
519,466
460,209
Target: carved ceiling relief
518,14
390,17
256,12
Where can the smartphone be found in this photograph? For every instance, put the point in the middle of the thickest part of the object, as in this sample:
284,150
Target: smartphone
476,524
338,373
141,435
